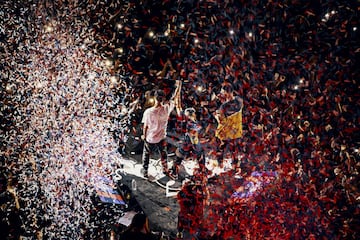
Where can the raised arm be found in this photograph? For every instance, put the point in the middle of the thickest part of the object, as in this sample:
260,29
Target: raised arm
165,68
177,97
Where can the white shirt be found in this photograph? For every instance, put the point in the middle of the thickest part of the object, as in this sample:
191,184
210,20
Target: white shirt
156,120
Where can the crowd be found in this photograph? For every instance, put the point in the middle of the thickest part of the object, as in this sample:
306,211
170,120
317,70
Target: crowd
294,63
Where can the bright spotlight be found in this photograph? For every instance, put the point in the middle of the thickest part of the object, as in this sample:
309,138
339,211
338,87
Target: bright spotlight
119,50
119,26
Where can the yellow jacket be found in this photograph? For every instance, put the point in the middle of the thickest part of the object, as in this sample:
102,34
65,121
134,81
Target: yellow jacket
230,127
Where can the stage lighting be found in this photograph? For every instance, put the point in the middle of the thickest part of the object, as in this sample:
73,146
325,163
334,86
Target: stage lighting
119,50
354,29
328,15
119,26
231,32
250,36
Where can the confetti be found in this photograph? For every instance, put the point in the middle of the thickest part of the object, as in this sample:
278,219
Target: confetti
68,70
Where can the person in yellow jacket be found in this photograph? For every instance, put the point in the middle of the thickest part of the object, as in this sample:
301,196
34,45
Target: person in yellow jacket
229,125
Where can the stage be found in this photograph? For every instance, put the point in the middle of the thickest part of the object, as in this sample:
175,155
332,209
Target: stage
162,199
157,196
161,210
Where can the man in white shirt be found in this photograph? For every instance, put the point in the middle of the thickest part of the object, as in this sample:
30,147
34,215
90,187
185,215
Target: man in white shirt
155,121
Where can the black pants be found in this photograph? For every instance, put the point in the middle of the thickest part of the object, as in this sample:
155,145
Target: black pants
151,148
188,149
230,145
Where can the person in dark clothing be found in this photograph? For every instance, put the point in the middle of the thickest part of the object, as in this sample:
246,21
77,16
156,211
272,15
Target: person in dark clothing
191,145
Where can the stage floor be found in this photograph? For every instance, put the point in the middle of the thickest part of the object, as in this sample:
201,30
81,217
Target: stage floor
161,207
161,210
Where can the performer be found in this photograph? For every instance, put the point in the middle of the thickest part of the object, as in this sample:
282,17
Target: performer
229,128
155,121
191,145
